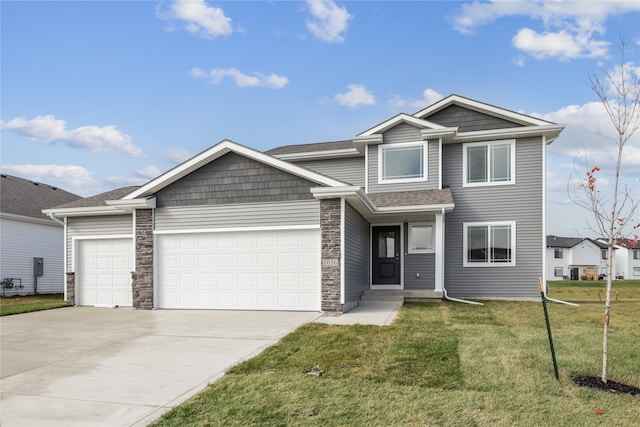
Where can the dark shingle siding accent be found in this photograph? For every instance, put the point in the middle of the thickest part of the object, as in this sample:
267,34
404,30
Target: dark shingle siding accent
233,179
20,196
468,120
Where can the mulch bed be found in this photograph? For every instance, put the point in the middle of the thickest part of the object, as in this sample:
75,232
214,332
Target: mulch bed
609,386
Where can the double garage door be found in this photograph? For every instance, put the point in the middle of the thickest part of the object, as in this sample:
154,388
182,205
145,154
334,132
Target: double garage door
259,270
248,270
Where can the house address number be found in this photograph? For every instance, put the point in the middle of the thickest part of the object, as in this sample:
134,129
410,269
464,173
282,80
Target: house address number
330,262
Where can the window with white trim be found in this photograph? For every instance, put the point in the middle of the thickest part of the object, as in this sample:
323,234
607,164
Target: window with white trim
405,162
636,253
558,253
489,163
636,271
420,238
489,244
557,272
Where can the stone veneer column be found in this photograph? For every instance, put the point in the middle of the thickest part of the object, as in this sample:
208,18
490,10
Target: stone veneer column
330,254
71,288
142,277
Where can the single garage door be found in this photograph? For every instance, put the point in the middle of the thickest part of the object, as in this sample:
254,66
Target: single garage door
248,270
103,272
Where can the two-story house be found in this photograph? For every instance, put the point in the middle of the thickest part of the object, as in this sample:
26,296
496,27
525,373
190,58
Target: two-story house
627,259
447,201
576,258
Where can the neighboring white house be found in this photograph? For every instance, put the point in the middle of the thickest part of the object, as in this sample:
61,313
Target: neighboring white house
627,260
576,258
31,244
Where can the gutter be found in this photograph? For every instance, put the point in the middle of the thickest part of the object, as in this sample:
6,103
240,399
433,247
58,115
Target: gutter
54,218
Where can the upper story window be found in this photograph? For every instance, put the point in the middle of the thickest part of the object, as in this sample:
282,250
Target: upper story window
402,162
604,253
558,253
489,163
636,254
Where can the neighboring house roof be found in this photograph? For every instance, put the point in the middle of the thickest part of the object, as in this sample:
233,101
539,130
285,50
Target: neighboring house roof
569,242
562,242
25,198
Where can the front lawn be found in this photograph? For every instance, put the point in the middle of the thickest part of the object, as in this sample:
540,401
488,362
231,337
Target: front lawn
27,303
447,364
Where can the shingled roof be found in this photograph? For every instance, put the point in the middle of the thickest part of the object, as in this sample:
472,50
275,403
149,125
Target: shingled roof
99,199
412,198
310,148
19,196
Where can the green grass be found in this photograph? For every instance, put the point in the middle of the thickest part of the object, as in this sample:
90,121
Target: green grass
27,303
445,364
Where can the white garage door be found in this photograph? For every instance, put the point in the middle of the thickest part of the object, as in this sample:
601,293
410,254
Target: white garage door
103,272
256,270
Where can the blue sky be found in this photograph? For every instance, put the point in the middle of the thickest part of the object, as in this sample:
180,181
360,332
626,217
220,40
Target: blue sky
99,95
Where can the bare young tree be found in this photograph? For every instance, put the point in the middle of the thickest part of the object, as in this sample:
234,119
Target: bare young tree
619,93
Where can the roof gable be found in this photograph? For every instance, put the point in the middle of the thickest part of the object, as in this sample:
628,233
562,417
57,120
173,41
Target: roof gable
490,110
218,151
399,119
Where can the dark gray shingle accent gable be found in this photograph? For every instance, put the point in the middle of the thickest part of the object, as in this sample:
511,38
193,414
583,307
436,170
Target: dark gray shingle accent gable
467,120
233,179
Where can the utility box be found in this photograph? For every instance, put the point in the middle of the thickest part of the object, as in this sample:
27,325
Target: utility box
38,267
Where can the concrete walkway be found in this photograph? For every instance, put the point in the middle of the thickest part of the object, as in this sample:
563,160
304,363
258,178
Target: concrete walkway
122,367
367,313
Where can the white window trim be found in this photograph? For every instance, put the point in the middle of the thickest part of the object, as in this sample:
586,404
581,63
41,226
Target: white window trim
466,263
421,251
425,158
512,181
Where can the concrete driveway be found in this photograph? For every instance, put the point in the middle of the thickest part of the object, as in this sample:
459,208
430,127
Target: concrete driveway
122,367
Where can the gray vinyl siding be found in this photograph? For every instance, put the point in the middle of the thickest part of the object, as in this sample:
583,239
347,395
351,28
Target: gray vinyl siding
423,264
349,170
232,179
521,202
356,254
21,242
106,225
468,120
302,212
399,134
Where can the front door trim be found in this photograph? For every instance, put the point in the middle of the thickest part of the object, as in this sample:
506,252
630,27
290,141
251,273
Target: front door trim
398,286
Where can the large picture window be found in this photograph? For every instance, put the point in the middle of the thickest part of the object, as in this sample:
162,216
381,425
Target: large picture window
489,163
489,244
402,162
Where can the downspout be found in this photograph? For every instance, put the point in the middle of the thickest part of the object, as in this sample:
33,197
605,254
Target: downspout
444,290
54,218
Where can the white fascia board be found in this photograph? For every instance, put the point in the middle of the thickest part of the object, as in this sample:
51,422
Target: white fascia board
219,150
404,209
550,132
400,118
482,107
130,205
372,139
86,211
437,133
29,219
313,155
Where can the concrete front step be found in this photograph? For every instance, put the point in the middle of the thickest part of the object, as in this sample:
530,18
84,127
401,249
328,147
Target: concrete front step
401,295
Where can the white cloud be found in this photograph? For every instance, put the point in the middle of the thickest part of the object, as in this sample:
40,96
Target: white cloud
429,96
148,172
92,138
328,21
179,155
217,75
199,18
124,181
356,96
561,45
569,28
69,176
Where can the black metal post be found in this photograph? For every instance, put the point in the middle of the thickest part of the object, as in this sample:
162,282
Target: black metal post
546,317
